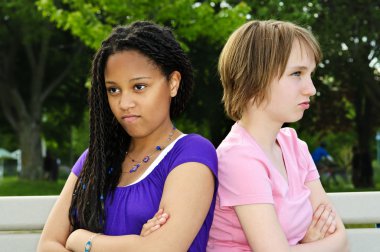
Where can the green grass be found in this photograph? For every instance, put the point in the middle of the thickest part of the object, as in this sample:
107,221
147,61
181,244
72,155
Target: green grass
344,186
13,186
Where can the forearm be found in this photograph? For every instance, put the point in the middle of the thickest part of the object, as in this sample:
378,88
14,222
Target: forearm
51,246
126,243
336,242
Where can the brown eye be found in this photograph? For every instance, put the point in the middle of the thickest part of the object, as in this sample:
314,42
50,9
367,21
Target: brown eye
113,90
139,87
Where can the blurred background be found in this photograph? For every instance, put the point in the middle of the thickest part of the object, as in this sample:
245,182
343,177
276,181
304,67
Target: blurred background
46,48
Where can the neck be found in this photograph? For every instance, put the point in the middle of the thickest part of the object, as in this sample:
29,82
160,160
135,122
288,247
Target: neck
147,143
262,128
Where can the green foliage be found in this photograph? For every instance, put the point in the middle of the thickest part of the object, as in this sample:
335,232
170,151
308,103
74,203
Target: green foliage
92,21
40,75
79,138
190,126
301,12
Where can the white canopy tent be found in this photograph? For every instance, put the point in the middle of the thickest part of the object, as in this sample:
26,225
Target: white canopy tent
4,154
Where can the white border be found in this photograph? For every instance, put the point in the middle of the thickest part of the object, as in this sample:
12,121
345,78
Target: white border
156,161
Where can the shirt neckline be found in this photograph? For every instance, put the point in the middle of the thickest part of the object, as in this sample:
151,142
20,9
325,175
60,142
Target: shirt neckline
154,164
252,140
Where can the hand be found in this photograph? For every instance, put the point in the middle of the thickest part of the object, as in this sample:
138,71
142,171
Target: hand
155,223
322,225
74,241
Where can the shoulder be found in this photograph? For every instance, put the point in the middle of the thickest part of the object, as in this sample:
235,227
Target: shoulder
239,155
78,166
293,145
194,143
290,138
194,148
238,145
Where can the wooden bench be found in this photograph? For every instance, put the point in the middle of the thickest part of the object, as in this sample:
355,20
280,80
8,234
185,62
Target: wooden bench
22,219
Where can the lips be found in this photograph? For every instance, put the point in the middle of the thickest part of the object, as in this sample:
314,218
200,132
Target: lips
130,118
305,105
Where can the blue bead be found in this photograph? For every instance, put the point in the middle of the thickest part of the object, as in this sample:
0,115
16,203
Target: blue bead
158,148
110,170
134,168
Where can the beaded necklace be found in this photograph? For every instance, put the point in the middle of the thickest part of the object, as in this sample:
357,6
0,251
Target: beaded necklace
147,157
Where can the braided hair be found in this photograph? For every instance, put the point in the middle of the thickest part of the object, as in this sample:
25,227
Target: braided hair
108,140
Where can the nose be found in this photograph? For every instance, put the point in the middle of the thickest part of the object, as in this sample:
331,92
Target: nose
126,101
309,88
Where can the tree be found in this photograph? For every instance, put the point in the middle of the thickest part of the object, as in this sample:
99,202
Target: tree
36,59
201,26
350,77
208,106
92,22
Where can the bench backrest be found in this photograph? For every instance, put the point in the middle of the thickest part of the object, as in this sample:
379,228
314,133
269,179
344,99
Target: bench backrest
23,217
21,221
360,208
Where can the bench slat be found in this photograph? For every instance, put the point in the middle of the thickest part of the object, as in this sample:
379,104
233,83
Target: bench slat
364,239
25,212
357,207
359,239
30,213
19,242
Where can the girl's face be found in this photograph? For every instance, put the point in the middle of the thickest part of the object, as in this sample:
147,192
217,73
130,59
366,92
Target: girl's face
138,93
289,95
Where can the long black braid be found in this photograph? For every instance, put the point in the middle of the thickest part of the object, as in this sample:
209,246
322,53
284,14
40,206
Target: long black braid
108,140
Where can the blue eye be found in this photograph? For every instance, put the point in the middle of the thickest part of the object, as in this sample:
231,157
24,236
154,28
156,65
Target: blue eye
298,73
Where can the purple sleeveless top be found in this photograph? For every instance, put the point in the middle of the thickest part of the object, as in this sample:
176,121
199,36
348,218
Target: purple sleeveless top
133,205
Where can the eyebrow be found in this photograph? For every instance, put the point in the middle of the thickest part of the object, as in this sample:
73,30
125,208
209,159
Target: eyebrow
298,67
131,80
301,68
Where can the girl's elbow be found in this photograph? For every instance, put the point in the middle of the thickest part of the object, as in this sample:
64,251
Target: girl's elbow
345,245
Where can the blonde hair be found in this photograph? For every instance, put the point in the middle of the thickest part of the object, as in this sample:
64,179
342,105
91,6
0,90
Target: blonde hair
255,54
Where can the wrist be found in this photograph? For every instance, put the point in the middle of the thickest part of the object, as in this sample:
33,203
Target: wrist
89,243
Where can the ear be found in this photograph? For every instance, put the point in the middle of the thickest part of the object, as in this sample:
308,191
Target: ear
174,82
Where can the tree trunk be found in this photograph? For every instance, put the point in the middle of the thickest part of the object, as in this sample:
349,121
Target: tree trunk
30,145
362,171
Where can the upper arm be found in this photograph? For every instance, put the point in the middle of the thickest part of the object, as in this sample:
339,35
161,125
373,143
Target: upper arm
262,228
318,196
317,193
57,227
187,197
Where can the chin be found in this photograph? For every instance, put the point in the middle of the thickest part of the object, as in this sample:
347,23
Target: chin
294,119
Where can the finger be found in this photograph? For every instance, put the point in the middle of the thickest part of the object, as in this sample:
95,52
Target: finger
150,230
159,213
165,216
323,219
156,216
317,214
327,225
332,227
147,226
154,228
161,221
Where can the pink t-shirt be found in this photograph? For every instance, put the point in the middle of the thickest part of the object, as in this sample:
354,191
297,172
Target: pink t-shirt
246,176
